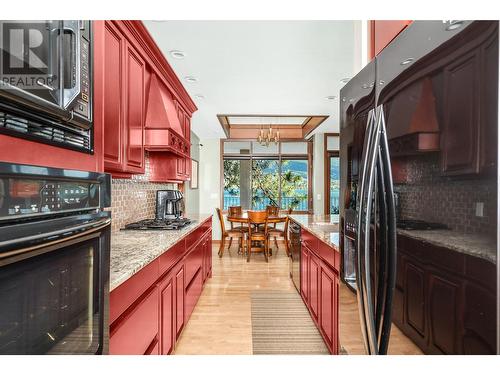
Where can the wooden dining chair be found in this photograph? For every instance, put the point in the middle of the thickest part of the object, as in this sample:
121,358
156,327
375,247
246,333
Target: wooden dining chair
257,232
229,233
278,232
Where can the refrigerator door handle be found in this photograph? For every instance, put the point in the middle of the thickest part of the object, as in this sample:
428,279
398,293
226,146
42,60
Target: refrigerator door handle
363,282
384,330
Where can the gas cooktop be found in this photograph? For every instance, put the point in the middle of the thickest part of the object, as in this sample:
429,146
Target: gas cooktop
158,224
418,225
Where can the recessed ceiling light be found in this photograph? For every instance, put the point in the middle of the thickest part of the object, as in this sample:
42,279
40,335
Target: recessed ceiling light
177,54
407,61
454,25
199,96
345,80
330,97
191,79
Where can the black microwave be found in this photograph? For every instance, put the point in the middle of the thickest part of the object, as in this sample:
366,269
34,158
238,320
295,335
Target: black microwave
46,82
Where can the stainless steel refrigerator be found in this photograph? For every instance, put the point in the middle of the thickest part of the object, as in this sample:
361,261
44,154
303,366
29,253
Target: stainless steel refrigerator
419,193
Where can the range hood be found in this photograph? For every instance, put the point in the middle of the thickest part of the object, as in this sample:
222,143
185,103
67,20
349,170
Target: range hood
163,128
414,111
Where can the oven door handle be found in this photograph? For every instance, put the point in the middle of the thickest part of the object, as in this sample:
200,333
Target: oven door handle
34,242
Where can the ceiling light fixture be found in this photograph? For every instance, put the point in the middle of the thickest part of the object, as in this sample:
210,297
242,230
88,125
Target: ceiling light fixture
191,79
265,138
345,80
330,97
177,54
454,25
409,60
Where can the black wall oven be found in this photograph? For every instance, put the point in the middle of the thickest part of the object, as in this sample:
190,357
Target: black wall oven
54,261
46,82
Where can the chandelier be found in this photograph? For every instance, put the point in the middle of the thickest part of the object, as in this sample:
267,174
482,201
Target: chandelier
266,137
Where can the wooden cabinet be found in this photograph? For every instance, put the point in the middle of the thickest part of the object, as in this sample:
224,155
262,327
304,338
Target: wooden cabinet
469,136
180,287
168,314
137,329
149,311
328,317
319,280
124,104
461,116
314,280
114,46
140,86
444,304
304,273
134,110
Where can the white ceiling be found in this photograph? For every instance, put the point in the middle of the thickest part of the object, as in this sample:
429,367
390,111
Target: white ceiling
261,67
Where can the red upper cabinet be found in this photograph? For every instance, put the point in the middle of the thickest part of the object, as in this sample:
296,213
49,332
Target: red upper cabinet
144,105
114,46
382,32
134,111
123,103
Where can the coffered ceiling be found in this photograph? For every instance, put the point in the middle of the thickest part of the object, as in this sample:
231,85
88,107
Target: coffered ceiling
272,68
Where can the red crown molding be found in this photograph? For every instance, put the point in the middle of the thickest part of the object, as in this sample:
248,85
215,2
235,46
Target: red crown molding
158,62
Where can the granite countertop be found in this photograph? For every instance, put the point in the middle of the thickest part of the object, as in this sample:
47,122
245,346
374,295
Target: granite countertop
477,245
132,250
325,227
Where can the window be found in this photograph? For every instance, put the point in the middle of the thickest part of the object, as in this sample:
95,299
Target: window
332,178
262,178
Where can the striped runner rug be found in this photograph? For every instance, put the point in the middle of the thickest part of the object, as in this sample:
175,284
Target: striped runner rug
281,324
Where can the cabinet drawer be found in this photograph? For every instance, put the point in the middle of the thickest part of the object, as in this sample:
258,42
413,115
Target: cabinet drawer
330,255
127,293
193,293
193,262
138,329
169,258
310,240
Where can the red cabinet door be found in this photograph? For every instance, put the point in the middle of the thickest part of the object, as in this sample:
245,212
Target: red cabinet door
135,332
328,317
114,45
304,274
179,305
314,275
167,316
134,104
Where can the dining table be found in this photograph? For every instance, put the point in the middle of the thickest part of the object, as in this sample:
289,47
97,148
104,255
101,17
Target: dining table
243,218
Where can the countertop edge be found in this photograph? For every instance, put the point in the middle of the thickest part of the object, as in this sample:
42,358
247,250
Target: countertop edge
302,225
129,274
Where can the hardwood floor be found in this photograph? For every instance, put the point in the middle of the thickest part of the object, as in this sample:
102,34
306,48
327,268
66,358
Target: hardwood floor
221,321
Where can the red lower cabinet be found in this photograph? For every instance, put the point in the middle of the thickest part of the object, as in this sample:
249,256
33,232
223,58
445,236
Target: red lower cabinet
179,301
319,285
168,315
137,329
149,311
314,290
328,317
304,274
193,292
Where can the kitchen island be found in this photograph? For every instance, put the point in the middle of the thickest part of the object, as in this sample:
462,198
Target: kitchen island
319,273
156,279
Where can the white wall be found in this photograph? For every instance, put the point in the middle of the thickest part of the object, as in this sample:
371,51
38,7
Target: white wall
192,196
318,174
210,181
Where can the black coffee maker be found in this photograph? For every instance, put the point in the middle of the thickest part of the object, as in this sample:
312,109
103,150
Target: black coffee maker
169,204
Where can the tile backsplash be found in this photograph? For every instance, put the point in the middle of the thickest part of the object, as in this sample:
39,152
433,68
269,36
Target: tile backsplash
134,199
428,196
